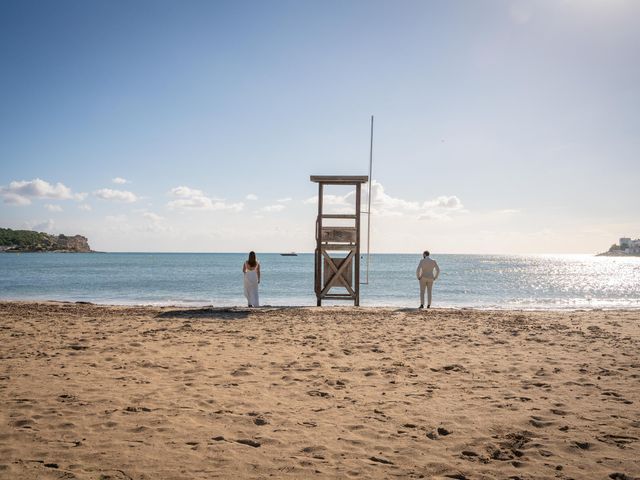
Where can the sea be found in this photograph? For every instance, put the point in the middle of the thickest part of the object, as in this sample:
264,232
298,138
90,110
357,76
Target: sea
528,282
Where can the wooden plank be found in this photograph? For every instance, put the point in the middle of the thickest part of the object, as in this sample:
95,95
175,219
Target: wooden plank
319,247
340,179
337,275
332,263
338,234
339,215
346,273
338,246
357,253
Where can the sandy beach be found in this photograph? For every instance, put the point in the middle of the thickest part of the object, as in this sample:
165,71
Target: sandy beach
96,392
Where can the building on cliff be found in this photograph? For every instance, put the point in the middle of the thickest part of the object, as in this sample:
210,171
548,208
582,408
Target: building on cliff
629,246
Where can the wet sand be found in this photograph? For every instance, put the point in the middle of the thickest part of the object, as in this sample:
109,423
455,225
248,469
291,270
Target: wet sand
95,392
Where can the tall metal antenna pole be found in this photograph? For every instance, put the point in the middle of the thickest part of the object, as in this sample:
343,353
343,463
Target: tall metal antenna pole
369,200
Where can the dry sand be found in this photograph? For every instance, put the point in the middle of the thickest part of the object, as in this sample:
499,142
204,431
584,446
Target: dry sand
162,393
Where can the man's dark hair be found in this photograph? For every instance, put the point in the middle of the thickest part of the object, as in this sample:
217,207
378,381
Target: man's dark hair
425,253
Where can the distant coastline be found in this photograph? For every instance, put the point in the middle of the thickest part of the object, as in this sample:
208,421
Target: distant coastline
28,241
625,248
617,253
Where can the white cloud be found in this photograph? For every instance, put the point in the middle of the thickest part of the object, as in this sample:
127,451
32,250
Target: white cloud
117,195
20,192
328,199
439,208
272,208
85,206
384,203
251,196
187,198
14,199
120,180
434,215
46,226
155,223
387,205
154,217
53,208
185,192
284,200
449,203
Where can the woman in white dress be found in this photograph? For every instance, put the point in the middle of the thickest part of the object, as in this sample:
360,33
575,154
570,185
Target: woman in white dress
251,270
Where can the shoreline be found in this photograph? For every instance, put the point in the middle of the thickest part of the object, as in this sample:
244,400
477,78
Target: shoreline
121,392
214,307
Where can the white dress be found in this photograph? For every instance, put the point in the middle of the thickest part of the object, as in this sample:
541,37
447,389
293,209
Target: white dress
251,286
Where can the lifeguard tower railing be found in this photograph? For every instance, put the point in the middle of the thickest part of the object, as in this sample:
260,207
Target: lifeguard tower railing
337,254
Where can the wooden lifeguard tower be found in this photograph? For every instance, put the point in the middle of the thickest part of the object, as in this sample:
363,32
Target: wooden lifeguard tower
332,270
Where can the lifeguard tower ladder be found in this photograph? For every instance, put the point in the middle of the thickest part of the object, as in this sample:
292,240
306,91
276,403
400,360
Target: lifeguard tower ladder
331,270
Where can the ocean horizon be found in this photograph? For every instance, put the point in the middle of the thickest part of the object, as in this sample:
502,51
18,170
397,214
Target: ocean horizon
519,281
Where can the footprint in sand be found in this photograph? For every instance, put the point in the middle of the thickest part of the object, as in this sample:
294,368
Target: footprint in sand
258,418
615,397
469,454
318,393
456,476
618,440
511,447
440,431
557,411
249,442
620,476
139,429
136,409
582,445
23,423
540,422
315,451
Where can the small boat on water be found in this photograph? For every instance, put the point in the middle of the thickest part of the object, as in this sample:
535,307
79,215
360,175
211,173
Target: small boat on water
290,254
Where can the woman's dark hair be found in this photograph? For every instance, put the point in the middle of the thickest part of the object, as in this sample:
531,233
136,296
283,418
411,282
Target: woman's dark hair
252,259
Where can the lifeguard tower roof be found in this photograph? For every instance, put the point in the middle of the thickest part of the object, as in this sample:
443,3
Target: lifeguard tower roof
339,179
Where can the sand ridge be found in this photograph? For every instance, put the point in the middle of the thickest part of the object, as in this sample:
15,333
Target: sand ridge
102,392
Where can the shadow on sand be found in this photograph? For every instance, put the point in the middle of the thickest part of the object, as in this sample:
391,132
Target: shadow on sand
409,310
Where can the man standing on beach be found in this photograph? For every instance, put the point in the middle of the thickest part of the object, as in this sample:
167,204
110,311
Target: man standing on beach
426,276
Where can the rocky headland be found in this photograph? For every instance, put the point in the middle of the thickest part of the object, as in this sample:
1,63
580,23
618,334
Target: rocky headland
617,253
19,241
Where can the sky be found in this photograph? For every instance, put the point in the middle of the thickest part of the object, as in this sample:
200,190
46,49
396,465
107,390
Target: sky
501,126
